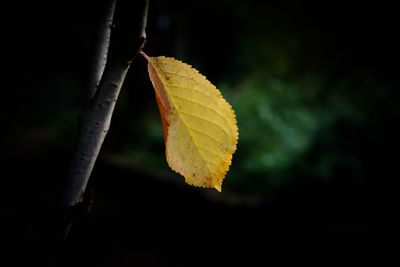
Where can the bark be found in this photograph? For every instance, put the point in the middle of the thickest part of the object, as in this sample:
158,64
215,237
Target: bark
102,41
127,40
121,38
124,41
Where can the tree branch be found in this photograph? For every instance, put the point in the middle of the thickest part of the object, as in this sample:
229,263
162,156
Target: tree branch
102,41
126,42
127,39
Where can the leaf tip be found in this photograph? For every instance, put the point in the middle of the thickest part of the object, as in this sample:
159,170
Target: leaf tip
218,187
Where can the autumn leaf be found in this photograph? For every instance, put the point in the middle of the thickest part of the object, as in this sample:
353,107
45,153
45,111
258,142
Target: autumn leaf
199,126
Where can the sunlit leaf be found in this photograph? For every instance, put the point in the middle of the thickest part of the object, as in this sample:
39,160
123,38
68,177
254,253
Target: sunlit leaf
199,126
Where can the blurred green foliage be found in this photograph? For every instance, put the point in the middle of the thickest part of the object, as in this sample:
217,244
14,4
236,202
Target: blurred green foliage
278,122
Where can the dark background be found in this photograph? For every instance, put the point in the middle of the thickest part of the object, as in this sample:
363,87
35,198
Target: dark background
314,86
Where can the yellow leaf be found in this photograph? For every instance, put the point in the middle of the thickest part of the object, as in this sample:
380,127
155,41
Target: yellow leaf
199,126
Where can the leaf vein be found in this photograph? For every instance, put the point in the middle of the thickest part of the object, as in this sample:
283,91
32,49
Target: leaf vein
210,151
204,133
189,88
200,104
212,162
204,119
196,73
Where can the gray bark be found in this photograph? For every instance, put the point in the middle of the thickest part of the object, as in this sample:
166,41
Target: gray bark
126,41
101,48
114,54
